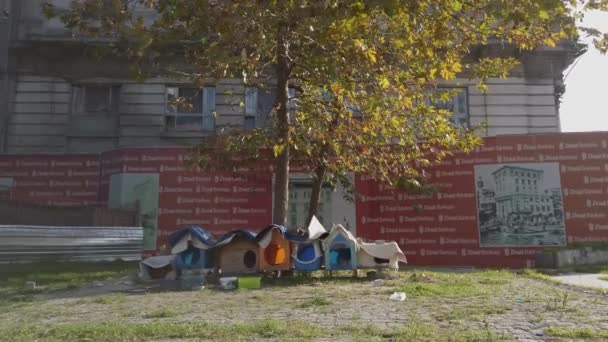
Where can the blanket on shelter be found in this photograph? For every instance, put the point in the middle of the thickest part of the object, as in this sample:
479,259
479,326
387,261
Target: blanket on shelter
384,250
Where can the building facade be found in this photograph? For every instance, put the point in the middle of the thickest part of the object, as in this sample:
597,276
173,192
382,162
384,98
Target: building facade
300,191
486,202
53,99
519,191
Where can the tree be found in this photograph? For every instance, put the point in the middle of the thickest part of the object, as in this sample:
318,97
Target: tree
365,71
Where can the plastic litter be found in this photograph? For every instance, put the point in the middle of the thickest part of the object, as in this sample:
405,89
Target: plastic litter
30,285
398,296
249,282
228,283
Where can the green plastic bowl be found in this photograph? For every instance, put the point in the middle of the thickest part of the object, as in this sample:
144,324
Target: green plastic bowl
250,282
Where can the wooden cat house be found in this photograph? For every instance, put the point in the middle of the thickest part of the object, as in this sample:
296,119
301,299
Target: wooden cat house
237,252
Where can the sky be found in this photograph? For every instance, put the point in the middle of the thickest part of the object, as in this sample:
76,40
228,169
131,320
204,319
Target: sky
585,103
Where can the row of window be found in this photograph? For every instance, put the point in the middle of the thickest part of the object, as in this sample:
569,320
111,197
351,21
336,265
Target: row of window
190,108
523,207
523,181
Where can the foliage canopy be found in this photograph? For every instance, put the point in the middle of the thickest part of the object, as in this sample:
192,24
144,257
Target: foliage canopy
366,72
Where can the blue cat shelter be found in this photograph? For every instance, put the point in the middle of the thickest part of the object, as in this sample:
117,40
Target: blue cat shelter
340,250
307,256
191,249
306,252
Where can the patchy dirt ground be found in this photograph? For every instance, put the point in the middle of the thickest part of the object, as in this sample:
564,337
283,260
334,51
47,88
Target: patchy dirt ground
508,305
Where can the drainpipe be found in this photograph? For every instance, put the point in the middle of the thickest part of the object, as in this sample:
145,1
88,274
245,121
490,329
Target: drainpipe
557,94
9,13
485,112
5,34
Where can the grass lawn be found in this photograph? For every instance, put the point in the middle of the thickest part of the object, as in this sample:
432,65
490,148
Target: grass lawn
54,277
440,306
266,329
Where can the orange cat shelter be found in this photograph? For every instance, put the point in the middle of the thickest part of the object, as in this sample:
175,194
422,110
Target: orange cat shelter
275,249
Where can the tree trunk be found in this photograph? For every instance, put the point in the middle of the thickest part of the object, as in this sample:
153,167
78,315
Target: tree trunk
317,184
281,181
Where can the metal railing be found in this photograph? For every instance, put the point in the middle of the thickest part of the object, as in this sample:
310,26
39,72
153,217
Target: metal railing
59,243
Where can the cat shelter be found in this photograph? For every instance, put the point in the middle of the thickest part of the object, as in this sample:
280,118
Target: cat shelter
157,267
237,252
307,255
340,249
379,255
191,247
274,249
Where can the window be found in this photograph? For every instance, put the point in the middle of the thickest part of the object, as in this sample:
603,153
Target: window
94,113
251,107
457,105
190,108
259,103
293,220
96,99
291,93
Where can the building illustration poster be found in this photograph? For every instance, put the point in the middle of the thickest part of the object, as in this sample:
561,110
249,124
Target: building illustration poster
520,205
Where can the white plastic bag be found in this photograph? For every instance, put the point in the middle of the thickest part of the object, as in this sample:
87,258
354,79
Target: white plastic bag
398,296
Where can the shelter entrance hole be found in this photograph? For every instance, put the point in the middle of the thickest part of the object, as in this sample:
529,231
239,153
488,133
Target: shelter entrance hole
381,261
250,259
275,254
340,255
306,253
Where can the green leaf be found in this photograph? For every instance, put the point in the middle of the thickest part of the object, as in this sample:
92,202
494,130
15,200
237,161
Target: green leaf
278,149
384,83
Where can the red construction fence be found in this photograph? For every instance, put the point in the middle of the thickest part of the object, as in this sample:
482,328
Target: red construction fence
498,206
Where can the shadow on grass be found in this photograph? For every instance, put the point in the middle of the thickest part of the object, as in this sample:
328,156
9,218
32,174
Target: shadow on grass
315,278
55,277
